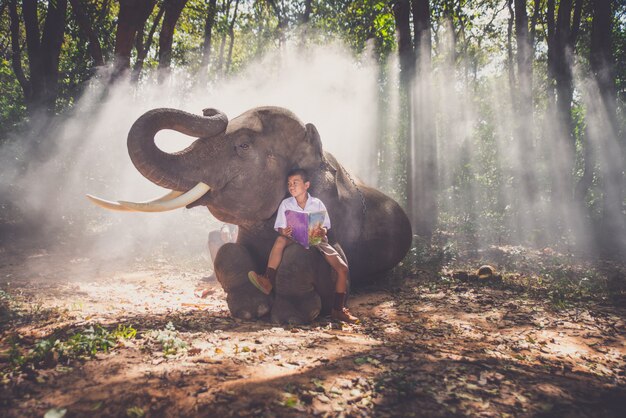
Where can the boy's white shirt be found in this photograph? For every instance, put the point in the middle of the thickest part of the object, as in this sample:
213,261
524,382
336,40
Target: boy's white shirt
313,204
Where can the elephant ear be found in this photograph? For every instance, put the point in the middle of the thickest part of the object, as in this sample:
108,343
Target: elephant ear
315,155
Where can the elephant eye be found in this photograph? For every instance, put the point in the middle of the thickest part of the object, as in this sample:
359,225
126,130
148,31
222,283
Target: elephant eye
244,146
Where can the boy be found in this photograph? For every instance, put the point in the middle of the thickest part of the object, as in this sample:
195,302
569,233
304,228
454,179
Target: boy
300,200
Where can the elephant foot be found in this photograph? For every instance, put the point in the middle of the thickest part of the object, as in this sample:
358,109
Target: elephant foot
246,302
296,309
232,264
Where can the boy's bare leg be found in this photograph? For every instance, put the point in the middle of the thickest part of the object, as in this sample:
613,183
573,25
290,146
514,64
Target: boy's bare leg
276,255
341,268
339,310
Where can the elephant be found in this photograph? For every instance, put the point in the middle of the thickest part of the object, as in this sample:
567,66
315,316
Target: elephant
238,170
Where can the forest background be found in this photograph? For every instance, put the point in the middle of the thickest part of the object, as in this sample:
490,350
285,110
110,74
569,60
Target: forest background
497,122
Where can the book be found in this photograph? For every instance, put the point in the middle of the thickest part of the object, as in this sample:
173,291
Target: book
303,226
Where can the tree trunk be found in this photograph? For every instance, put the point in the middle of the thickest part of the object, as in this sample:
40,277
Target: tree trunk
562,66
401,11
44,52
523,129
551,50
208,33
89,32
533,23
421,34
173,9
422,193
16,52
509,50
142,51
131,18
304,21
33,48
613,228
220,61
282,23
231,35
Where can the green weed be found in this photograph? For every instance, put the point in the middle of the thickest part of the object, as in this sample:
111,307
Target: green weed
82,344
169,340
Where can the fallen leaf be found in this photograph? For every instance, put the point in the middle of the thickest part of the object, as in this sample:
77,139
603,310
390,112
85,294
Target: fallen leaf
55,413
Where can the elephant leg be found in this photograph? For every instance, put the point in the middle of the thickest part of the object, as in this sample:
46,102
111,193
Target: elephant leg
232,264
296,299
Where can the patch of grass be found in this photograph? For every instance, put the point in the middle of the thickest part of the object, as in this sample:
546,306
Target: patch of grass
423,255
55,349
169,339
560,279
135,412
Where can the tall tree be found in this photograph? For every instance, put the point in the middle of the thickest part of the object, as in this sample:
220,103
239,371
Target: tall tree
304,21
231,36
416,130
562,36
226,15
524,96
422,193
208,36
613,230
283,22
43,49
143,46
89,30
130,20
402,16
173,9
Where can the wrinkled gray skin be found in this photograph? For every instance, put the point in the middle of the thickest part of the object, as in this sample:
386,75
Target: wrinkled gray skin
245,162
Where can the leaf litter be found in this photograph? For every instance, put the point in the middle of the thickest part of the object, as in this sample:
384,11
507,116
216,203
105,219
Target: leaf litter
426,348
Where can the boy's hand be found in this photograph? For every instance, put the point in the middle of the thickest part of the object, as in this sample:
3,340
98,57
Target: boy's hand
320,232
286,231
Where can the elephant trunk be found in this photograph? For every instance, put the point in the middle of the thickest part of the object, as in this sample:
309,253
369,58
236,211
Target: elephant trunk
167,170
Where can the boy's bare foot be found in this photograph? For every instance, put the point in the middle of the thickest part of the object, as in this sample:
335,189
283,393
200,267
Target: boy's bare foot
260,282
344,315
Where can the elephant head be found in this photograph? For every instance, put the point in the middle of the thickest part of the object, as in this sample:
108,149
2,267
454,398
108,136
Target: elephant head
228,167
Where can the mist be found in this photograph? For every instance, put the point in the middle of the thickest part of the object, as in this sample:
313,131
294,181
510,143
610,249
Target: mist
85,153
479,163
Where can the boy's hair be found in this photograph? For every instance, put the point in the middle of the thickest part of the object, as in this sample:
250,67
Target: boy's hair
299,172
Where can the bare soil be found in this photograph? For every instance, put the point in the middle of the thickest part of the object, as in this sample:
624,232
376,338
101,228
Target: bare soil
426,346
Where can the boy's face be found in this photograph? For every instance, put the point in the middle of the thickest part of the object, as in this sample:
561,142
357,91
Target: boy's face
297,186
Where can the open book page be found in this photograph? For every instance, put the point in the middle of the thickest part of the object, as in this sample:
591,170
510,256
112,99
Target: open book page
304,226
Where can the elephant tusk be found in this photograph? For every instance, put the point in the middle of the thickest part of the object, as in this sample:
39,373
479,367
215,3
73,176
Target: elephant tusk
183,200
107,204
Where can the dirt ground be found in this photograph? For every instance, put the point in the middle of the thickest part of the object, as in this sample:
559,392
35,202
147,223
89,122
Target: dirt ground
427,346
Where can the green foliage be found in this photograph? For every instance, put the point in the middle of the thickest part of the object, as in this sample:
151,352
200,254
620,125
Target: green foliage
135,412
424,255
82,344
12,108
619,49
168,339
356,23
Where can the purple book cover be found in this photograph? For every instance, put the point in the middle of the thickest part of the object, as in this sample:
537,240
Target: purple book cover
303,225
